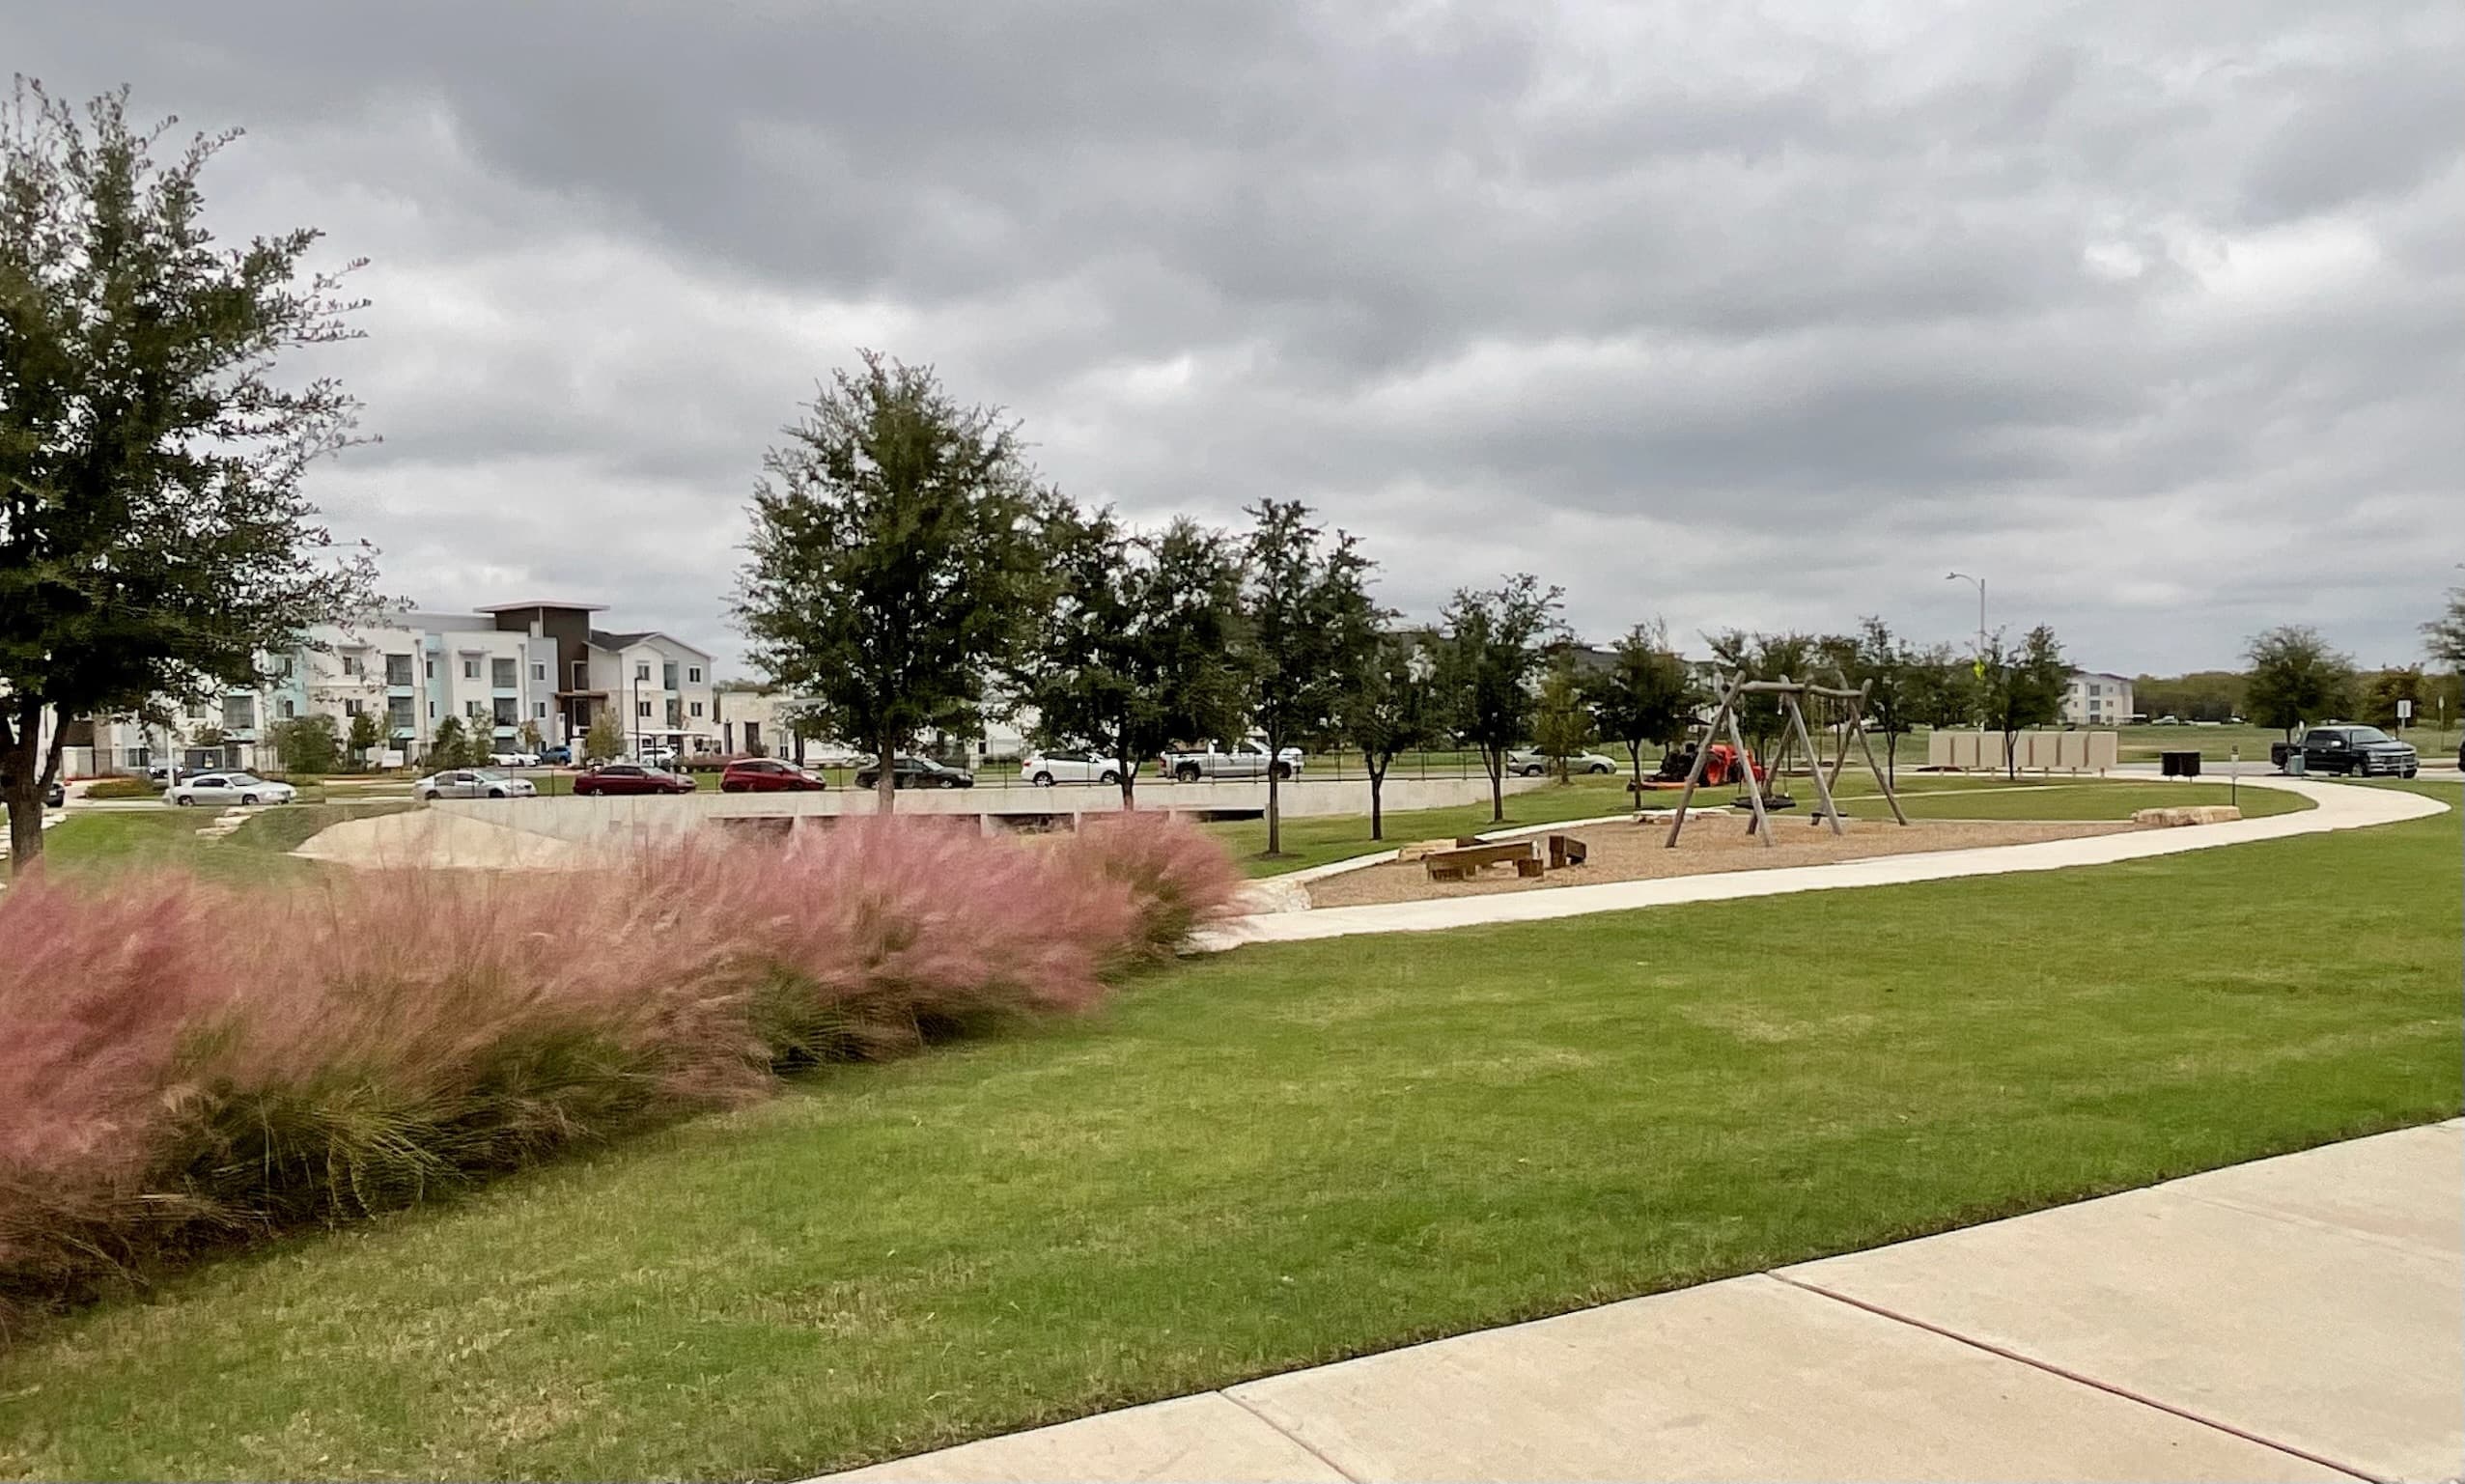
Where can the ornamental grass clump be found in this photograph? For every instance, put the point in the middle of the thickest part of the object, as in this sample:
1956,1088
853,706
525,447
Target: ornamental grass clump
185,1066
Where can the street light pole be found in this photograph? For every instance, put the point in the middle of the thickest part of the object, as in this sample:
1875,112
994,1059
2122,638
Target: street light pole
1981,632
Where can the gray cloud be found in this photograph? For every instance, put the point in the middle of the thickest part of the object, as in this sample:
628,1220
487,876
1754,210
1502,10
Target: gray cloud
1761,315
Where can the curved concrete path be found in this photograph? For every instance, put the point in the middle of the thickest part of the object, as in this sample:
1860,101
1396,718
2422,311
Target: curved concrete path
2336,806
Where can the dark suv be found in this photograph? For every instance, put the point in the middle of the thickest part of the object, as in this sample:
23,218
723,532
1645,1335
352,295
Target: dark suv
2358,752
914,773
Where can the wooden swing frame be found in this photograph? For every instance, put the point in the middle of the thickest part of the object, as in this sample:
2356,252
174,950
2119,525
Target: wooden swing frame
1792,694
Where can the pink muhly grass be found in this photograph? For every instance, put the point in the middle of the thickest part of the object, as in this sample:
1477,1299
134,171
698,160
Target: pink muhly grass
1178,876
183,1064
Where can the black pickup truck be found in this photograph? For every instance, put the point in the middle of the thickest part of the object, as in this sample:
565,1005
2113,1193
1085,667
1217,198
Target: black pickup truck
2357,751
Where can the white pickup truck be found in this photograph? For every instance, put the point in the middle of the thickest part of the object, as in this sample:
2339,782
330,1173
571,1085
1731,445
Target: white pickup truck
1245,760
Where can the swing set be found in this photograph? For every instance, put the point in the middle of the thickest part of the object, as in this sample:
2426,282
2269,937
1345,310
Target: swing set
1791,695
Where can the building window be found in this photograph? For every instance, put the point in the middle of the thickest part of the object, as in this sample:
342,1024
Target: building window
398,714
432,711
283,668
196,710
501,673
582,675
642,709
538,711
397,670
667,676
351,667
289,711
351,708
509,710
239,712
428,668
642,672
539,674
473,709
697,707
470,669
694,675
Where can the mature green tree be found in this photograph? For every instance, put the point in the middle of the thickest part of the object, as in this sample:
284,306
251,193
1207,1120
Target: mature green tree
1763,657
529,737
307,745
1888,667
2383,689
1308,625
1495,639
605,739
1138,648
1391,708
896,546
449,748
1561,716
2023,687
1943,685
364,735
2296,678
2446,633
1647,695
2200,695
153,536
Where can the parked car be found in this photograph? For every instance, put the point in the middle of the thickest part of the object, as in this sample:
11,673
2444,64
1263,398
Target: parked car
632,778
1529,762
558,756
513,759
835,755
230,788
1046,768
55,797
1244,760
657,756
2358,752
473,783
910,773
768,775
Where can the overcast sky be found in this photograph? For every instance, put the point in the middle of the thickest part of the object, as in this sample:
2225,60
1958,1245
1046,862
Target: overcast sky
1756,314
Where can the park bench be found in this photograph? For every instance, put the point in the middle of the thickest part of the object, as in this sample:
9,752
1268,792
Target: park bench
1566,850
1460,864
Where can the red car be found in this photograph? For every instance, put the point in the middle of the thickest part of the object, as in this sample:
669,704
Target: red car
768,775
632,778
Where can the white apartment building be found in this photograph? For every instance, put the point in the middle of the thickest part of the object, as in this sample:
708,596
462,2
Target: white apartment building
2093,698
660,688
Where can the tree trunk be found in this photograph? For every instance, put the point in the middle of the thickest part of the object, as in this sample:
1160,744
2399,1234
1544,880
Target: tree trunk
1635,753
1275,799
885,781
1377,782
1891,758
30,770
1128,767
1494,760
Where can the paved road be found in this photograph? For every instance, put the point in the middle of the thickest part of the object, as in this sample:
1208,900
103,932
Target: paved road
2297,1318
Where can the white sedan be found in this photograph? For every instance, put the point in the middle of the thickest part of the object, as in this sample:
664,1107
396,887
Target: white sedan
1044,768
230,788
473,783
513,759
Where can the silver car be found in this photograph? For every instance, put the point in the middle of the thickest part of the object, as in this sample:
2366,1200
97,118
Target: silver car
473,783
230,788
1529,762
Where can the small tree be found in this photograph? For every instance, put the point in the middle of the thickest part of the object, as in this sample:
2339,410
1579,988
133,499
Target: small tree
2446,633
1136,650
2295,677
1308,627
895,547
2023,687
1561,717
605,739
364,735
1391,708
306,745
1647,695
2386,687
1762,656
1889,670
529,740
449,748
154,537
1495,639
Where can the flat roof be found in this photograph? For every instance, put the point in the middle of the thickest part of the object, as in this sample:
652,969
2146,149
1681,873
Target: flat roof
541,603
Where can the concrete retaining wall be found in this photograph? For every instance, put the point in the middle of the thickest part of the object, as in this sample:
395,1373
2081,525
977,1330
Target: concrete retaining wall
652,816
2032,751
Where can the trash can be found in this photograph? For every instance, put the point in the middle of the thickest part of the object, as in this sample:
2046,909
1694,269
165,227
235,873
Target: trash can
2178,764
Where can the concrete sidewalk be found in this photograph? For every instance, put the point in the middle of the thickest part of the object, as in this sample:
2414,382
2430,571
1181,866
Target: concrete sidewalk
2334,806
2297,1318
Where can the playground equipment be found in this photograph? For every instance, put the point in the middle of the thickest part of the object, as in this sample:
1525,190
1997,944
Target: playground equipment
1790,695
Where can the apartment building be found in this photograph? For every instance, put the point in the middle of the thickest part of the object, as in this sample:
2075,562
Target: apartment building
2093,698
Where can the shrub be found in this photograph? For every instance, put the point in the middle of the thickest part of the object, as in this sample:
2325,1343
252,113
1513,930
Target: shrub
192,1065
121,787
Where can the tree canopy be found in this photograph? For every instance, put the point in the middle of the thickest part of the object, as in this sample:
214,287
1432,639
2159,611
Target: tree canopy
1495,641
1647,695
1308,625
2446,633
1390,706
155,534
2023,687
2296,678
895,558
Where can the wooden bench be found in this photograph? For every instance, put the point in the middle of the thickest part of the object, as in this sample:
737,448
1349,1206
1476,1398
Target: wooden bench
1566,850
1460,864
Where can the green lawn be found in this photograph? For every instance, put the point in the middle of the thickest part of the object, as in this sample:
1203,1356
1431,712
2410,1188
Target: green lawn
91,840
1311,842
1290,1153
